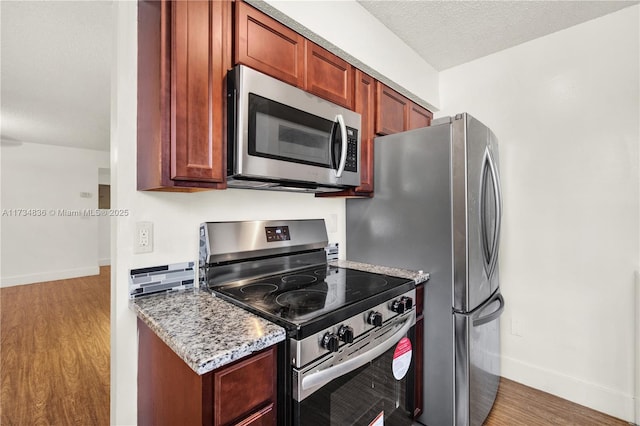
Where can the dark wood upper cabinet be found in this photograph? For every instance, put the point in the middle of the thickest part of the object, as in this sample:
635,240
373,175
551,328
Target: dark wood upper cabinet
392,111
170,393
365,106
328,76
266,45
395,113
199,62
419,117
184,51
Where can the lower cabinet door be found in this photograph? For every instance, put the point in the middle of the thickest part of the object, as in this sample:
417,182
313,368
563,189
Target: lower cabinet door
246,388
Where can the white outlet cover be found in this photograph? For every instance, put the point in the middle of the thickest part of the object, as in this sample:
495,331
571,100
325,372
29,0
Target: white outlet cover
143,237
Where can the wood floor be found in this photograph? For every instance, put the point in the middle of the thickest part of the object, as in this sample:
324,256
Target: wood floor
54,352
54,355
519,405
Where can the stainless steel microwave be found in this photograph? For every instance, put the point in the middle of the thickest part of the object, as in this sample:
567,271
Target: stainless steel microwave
283,138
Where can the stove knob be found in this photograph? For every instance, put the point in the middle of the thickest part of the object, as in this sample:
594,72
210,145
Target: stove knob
345,333
408,302
398,306
375,319
330,342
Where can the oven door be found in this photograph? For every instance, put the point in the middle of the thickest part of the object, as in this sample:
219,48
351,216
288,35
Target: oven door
376,390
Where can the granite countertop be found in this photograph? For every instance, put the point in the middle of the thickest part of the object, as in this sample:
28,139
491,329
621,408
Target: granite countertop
417,276
188,321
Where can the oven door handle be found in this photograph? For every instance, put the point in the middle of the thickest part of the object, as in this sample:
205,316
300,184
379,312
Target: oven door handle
325,376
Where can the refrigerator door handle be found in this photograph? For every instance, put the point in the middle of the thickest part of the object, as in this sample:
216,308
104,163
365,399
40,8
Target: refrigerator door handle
490,252
493,315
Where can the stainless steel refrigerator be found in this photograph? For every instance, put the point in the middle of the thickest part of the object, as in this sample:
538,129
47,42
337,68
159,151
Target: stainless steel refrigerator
437,208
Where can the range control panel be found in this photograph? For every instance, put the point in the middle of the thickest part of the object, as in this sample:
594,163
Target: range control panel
277,233
342,336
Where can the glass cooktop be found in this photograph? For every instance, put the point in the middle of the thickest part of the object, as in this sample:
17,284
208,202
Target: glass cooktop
303,296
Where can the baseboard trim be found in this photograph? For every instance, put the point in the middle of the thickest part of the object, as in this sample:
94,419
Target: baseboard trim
104,262
597,397
48,276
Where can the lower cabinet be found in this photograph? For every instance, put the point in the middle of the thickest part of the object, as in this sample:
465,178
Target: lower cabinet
171,393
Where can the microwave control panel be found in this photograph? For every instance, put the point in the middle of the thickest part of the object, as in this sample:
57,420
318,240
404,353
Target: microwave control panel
351,164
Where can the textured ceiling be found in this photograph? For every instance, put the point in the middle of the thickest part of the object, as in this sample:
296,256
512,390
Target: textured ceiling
56,56
449,33
55,72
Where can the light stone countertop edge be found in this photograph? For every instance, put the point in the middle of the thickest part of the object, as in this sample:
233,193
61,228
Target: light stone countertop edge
417,276
205,331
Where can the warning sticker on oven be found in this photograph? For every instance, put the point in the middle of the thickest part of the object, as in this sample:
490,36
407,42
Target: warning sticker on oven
379,420
401,358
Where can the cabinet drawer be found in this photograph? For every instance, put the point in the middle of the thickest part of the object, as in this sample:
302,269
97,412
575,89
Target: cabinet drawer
264,417
245,387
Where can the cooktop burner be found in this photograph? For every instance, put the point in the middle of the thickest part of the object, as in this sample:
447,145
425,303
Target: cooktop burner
299,298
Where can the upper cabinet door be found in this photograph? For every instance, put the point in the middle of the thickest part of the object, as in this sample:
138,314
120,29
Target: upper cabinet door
200,57
392,111
419,117
365,106
395,113
328,76
266,45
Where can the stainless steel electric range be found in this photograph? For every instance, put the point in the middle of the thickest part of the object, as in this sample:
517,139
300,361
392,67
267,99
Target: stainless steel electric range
348,356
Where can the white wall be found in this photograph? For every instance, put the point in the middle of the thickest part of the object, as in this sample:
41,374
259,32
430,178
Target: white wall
175,217
350,27
48,245
565,109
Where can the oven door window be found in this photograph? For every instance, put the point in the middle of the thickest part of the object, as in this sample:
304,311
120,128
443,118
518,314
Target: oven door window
359,397
285,133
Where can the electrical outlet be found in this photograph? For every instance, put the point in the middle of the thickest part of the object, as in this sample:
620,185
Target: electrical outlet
143,242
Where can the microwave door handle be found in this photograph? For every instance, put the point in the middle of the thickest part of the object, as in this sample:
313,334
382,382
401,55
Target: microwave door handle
343,153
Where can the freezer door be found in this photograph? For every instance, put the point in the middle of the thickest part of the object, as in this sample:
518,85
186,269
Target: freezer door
477,361
476,212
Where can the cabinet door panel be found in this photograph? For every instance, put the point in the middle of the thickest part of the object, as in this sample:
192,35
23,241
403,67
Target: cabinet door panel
392,111
197,73
419,117
328,76
244,387
365,106
266,45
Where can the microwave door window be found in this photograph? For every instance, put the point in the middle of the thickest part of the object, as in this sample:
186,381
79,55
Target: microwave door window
281,132
284,139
